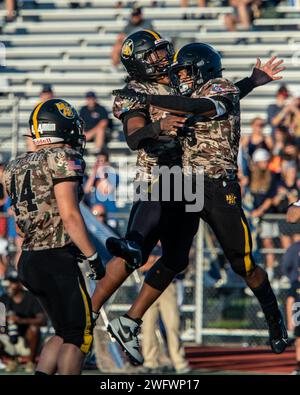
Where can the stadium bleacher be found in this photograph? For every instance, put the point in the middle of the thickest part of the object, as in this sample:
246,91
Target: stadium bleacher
70,48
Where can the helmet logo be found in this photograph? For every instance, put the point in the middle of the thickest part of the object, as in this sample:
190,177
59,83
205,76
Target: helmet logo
65,110
127,49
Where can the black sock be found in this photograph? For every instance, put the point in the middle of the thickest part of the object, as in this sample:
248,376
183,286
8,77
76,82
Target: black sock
266,298
38,373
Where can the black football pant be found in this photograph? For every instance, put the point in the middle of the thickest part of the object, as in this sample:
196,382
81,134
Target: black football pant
176,228
55,278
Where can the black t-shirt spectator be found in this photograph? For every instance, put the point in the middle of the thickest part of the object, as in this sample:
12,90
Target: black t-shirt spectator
294,291
291,262
28,308
269,193
93,116
131,28
1,196
284,203
272,111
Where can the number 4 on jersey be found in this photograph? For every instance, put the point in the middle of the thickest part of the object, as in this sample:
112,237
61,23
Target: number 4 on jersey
27,195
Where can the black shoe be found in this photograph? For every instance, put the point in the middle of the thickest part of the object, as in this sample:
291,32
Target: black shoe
128,250
277,333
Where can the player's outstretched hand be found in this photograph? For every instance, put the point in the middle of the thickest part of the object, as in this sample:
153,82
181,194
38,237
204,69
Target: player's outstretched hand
131,95
262,74
97,269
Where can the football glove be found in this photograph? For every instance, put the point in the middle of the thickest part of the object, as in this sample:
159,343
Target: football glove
131,95
259,77
97,269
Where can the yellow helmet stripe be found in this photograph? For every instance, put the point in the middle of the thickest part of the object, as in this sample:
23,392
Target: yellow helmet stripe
35,122
176,56
155,35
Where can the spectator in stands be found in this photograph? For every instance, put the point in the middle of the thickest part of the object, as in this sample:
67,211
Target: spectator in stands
292,120
281,138
102,183
185,3
257,139
99,211
275,111
3,223
136,22
286,194
10,10
293,322
166,303
46,93
25,318
290,262
244,13
263,187
96,121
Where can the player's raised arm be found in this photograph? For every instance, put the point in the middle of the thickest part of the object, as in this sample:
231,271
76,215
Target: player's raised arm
261,75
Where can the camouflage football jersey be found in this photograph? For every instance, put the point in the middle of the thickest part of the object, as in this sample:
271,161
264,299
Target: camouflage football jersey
30,180
214,144
157,153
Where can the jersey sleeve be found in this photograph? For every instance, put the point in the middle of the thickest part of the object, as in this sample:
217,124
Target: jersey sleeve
223,91
66,165
122,107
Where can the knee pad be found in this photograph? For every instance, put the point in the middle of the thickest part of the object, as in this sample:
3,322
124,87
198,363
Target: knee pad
82,338
159,276
242,264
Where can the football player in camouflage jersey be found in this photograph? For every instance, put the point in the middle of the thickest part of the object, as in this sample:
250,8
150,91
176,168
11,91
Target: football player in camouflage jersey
211,143
45,189
143,130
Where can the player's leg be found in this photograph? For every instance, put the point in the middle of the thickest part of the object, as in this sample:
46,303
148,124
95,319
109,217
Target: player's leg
178,229
125,328
55,278
47,364
117,270
77,326
177,232
144,217
229,223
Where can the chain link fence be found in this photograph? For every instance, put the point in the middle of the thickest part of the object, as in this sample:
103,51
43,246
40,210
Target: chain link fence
230,312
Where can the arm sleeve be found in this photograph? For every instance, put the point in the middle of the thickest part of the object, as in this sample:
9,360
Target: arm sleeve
137,139
219,95
197,106
66,165
245,86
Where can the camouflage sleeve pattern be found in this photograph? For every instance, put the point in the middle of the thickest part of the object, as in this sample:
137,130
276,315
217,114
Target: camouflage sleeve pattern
122,106
221,87
65,164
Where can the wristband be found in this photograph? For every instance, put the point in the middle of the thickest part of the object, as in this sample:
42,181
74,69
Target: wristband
92,257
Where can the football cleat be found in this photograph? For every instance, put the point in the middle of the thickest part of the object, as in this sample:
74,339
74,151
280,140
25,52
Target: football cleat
277,333
125,331
128,250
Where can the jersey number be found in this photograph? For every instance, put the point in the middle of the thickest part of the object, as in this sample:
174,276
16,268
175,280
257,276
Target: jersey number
26,193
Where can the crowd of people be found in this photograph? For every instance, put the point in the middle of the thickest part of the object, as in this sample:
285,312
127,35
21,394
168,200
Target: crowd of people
269,167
